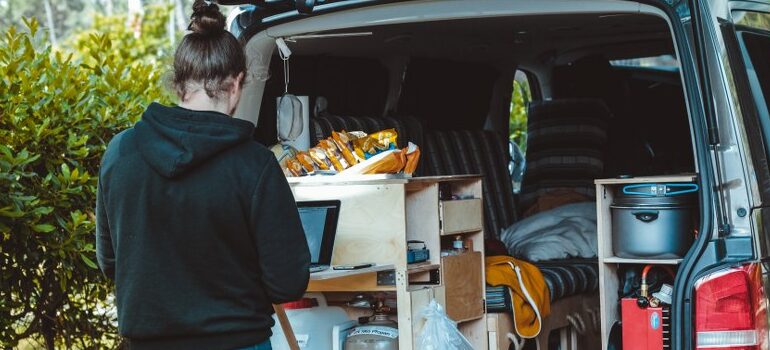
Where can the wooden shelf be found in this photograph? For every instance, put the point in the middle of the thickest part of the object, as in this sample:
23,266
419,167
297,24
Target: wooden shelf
609,282
618,260
444,178
379,215
415,288
362,280
349,179
331,273
422,267
647,179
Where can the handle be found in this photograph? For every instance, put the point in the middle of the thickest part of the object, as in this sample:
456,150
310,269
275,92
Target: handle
660,190
646,215
687,188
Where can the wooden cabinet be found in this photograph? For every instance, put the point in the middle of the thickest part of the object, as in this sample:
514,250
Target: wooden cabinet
608,262
378,216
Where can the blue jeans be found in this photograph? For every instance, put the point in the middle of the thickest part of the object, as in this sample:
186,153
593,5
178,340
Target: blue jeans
263,346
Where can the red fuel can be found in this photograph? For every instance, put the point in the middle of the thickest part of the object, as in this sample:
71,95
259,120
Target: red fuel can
643,328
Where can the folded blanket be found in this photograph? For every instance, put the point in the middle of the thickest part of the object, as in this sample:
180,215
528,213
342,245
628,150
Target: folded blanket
559,233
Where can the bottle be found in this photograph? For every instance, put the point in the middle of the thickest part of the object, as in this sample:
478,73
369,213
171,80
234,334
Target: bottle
459,245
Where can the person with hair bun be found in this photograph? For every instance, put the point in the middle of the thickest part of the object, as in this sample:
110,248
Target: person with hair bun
195,221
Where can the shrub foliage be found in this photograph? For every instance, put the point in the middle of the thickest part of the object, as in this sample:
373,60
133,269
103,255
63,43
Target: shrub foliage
58,110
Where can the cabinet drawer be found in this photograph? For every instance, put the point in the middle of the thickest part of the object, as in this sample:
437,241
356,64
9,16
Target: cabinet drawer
463,286
462,215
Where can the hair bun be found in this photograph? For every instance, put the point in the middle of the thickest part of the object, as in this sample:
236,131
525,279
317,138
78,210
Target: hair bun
206,18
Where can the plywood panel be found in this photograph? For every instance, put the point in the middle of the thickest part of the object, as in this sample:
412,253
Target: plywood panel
608,285
604,221
356,283
372,223
422,220
459,216
463,280
647,179
476,332
499,326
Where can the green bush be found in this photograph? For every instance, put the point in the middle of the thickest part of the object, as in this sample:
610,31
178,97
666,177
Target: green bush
59,111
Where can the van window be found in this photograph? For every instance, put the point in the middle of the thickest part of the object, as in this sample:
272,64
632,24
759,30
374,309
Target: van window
758,50
519,102
517,127
754,34
659,62
754,20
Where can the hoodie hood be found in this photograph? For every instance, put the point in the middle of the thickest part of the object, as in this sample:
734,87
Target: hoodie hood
174,140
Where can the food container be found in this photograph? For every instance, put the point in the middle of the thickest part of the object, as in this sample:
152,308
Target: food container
653,220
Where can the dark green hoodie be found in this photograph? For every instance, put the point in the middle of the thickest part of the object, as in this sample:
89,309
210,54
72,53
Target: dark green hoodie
199,229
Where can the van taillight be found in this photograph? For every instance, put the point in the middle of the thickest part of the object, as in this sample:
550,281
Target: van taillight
730,310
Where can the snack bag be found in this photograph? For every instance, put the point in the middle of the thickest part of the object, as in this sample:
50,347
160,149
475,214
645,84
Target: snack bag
346,147
354,137
333,154
319,158
376,143
412,158
295,168
391,162
307,163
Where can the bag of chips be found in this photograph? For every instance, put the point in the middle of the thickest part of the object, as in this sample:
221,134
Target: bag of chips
307,163
412,158
375,143
319,158
333,154
295,168
342,139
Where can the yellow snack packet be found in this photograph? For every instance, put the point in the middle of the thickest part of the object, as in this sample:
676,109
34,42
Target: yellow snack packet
333,154
294,167
307,163
375,143
346,148
412,158
391,163
319,158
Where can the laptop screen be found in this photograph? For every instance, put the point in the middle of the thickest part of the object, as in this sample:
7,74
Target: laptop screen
319,220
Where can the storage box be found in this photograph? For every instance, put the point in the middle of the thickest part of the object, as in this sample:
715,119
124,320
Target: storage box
459,216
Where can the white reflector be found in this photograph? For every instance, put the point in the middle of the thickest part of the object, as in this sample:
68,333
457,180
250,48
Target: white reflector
724,339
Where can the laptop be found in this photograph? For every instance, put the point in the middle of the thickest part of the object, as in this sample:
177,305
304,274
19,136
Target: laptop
319,220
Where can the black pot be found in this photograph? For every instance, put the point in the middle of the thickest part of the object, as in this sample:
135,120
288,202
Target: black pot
653,220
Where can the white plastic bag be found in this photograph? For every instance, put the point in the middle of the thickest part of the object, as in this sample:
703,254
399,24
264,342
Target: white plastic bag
439,332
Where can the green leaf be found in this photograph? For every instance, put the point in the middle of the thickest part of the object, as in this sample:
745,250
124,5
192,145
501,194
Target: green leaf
43,210
65,170
43,228
11,212
88,261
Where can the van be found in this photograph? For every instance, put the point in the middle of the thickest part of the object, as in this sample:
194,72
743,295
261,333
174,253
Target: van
615,90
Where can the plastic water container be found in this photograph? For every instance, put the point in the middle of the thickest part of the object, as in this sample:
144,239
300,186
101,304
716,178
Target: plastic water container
312,327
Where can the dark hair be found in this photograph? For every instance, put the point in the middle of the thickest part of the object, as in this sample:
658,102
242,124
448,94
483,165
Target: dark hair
208,54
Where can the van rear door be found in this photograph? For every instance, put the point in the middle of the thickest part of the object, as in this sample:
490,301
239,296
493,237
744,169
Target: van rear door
730,246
